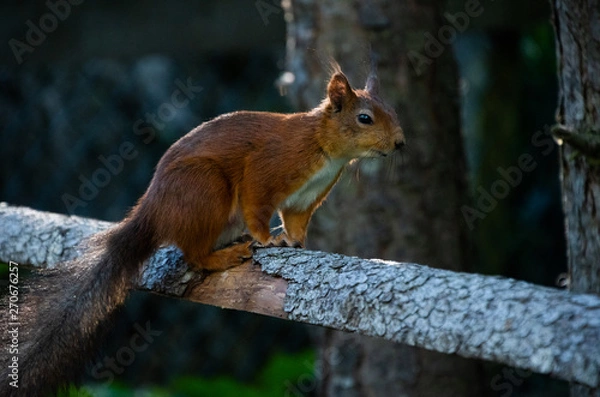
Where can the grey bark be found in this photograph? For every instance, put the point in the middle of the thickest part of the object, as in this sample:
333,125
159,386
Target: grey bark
542,329
45,239
577,28
444,311
577,25
404,210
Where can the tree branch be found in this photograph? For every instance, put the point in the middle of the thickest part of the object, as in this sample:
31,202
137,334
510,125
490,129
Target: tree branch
541,329
586,141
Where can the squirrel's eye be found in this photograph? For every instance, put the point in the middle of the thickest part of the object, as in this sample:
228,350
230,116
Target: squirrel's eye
365,119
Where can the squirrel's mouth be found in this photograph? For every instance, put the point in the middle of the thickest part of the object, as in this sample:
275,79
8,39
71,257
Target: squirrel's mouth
374,153
378,153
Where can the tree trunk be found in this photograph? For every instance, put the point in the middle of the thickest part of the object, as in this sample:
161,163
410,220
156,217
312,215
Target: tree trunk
405,210
577,26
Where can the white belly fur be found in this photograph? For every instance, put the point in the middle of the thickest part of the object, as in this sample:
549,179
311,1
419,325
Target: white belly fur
304,197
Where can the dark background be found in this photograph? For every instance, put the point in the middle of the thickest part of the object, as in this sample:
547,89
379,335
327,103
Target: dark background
95,80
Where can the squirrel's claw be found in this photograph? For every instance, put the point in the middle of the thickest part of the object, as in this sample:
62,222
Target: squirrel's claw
281,240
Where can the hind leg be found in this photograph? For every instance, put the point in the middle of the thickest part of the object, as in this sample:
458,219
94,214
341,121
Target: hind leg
200,252
222,259
202,203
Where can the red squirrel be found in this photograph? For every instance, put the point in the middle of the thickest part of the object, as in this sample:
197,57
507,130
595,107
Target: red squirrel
225,177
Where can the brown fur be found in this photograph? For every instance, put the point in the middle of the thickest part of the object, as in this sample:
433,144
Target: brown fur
226,176
235,171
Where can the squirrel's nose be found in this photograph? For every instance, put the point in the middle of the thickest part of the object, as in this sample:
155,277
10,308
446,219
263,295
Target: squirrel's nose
400,142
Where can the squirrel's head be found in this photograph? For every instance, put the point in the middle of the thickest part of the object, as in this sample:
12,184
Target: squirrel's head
358,122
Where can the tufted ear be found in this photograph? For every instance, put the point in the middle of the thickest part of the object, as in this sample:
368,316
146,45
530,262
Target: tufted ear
372,86
339,91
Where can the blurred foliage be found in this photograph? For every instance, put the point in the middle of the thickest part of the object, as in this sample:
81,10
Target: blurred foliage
24,272
284,374
75,392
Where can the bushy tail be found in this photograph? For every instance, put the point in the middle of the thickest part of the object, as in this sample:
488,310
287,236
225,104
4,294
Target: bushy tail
62,314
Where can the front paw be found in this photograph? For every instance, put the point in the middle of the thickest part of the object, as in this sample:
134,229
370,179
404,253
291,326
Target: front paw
283,240
244,238
255,245
246,251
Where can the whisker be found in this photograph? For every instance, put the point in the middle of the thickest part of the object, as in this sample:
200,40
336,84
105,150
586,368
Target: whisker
278,228
407,149
391,168
351,171
398,162
357,166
